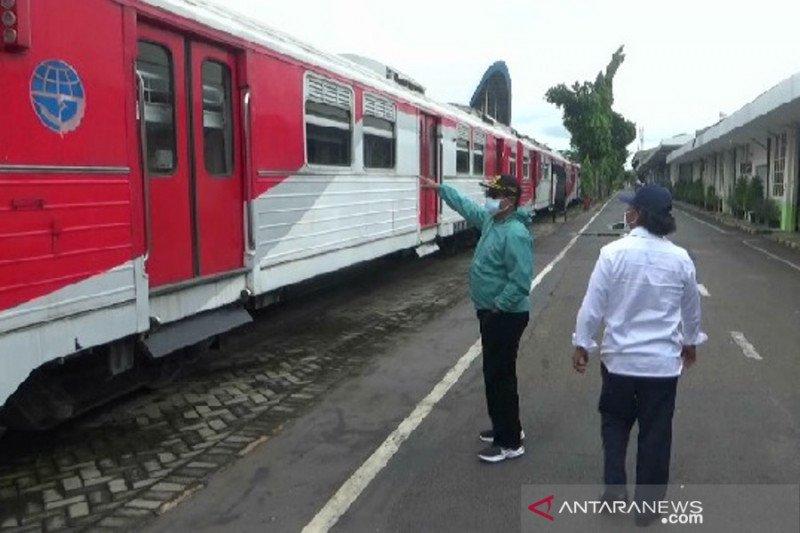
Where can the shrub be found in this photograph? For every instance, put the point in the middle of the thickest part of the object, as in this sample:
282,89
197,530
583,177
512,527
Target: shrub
711,199
771,213
755,195
739,200
690,191
679,190
698,196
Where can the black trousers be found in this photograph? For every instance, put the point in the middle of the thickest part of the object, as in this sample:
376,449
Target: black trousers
500,334
650,401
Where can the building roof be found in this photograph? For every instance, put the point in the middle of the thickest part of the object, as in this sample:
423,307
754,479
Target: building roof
644,159
769,112
641,155
676,141
493,94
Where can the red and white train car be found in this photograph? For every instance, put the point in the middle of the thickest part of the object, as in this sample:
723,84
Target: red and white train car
166,163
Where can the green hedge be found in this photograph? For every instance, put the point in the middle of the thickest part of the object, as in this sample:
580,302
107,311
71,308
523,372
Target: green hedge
691,192
747,197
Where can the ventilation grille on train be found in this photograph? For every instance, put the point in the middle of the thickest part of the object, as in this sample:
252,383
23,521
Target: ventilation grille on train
379,107
326,92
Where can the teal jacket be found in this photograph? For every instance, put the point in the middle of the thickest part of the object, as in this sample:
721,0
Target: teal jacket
502,268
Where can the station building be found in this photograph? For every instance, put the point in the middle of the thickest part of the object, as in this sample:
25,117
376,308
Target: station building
651,165
758,140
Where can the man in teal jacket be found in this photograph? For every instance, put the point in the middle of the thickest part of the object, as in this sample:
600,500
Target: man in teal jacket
500,284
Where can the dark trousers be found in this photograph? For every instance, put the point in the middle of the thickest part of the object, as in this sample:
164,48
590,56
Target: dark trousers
500,334
650,401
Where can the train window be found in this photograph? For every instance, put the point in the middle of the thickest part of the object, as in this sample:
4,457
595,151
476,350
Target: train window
512,164
154,67
478,146
462,150
526,168
380,116
328,122
217,120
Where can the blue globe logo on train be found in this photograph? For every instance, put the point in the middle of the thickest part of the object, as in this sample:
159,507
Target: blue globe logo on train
58,96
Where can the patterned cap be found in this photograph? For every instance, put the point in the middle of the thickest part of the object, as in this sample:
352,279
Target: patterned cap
504,184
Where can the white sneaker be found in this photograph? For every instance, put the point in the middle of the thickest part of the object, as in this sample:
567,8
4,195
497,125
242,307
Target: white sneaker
495,454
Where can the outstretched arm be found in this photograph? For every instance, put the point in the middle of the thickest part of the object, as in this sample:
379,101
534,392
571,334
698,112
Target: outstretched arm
472,212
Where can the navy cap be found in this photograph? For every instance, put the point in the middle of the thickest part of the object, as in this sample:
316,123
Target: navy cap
653,198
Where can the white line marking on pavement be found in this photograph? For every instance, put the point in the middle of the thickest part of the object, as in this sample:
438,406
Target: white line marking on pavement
341,501
773,256
353,487
712,226
703,291
747,348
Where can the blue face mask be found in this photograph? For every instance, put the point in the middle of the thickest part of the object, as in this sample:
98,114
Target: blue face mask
492,206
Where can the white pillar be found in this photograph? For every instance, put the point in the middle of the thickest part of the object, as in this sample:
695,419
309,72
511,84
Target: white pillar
791,180
729,173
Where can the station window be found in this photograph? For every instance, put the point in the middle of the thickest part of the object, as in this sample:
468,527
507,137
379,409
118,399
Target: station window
512,164
762,171
779,166
380,116
746,166
154,66
329,127
217,119
478,147
462,150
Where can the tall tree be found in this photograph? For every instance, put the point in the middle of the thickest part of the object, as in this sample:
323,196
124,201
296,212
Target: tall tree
599,135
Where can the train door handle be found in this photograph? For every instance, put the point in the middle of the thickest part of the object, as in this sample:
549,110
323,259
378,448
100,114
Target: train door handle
140,111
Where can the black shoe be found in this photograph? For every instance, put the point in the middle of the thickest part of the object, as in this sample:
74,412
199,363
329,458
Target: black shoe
488,435
645,519
495,454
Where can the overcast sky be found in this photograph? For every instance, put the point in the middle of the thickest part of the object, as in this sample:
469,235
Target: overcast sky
686,62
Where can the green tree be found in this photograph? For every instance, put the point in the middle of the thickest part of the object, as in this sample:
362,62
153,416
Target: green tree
599,135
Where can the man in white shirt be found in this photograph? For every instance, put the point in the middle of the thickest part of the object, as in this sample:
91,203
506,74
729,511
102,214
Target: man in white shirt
643,289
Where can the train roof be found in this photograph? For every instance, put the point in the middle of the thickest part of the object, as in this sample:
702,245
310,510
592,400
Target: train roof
238,25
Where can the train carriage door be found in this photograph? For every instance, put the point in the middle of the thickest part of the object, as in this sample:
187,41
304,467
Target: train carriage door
161,72
559,185
190,141
499,166
527,180
429,168
219,203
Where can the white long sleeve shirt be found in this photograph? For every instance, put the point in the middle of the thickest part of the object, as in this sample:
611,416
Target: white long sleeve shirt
643,288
